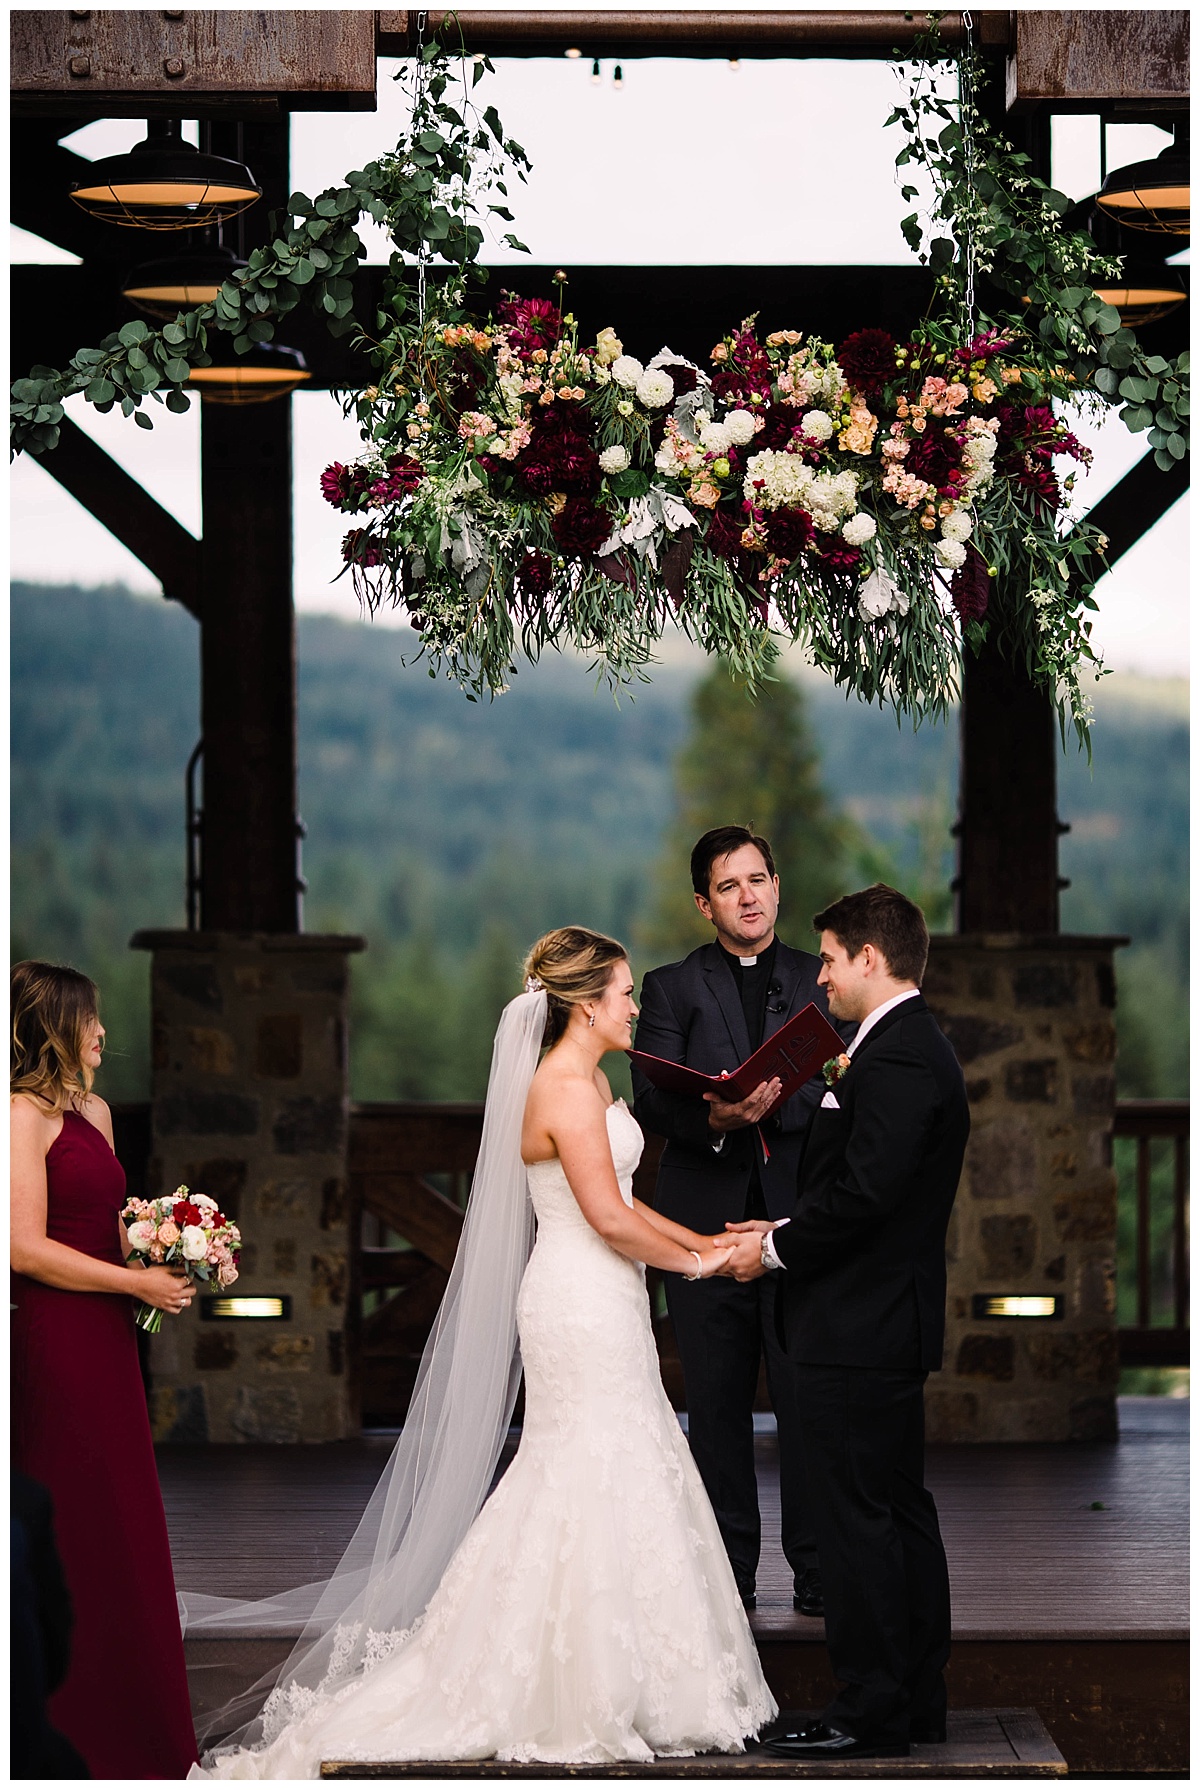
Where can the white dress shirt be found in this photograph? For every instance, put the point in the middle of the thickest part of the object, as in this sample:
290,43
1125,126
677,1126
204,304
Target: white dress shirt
873,1017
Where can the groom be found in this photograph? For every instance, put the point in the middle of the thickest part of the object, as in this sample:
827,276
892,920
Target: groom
861,1268
710,1012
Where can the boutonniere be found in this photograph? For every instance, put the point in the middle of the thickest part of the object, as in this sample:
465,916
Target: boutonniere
834,1069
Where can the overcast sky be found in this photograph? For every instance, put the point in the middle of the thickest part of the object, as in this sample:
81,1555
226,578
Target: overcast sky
689,163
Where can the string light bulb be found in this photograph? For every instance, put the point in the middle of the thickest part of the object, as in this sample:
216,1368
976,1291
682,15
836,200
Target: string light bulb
618,78
734,65
572,55
596,72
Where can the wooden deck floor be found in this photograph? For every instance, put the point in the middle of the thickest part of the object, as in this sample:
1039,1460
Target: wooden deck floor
1087,1542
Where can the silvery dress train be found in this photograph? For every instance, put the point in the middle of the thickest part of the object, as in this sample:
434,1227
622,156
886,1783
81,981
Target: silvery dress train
590,1615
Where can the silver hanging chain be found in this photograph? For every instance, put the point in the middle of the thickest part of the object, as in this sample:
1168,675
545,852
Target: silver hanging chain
418,123
966,125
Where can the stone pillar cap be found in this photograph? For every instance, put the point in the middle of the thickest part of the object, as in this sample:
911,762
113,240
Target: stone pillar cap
182,940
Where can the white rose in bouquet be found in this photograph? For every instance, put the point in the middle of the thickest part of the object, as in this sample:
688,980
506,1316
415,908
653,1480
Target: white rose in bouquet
614,459
627,371
957,526
859,529
141,1234
740,427
655,389
950,554
817,425
194,1245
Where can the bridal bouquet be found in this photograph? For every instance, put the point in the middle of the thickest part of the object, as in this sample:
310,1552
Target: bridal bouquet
187,1228
862,499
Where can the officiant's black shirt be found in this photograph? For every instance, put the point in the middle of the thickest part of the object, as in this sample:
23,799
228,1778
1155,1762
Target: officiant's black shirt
754,982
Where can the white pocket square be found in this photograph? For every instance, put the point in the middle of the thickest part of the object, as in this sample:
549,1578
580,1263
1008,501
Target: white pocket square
831,1100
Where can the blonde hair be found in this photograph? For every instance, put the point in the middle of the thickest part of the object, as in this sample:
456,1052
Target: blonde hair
572,964
53,1008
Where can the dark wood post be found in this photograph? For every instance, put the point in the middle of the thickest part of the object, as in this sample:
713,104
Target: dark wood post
1008,825
248,649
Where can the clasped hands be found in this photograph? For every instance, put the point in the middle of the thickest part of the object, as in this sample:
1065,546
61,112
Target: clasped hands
744,1261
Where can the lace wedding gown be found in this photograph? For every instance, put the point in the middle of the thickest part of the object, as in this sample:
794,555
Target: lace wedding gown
590,1615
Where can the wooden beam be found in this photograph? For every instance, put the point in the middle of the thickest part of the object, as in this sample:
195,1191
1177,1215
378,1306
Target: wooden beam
533,32
121,505
1080,60
417,1211
192,63
1135,503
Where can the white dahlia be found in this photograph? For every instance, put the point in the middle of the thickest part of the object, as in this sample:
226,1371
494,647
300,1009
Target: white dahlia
957,526
950,554
740,427
654,389
715,438
817,425
627,371
859,529
614,459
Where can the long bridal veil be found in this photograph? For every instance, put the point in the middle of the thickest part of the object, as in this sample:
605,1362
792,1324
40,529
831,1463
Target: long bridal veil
439,1472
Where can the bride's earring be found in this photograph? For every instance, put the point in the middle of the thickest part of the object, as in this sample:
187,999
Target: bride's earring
591,1019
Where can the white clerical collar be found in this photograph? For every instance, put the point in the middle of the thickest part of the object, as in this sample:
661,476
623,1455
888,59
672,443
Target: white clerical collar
876,1015
747,963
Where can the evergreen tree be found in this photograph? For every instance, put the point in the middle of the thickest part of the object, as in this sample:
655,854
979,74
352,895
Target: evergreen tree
754,764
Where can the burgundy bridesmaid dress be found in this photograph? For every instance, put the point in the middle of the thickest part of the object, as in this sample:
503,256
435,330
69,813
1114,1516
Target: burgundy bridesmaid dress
80,1426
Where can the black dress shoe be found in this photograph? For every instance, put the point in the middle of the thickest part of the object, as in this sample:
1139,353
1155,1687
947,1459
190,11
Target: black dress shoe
749,1600
808,1596
817,1740
927,1733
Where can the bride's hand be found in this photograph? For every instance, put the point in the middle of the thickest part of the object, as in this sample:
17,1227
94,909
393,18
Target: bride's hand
750,1224
714,1261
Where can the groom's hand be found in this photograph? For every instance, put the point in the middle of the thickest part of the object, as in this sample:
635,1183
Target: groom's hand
733,1115
745,1260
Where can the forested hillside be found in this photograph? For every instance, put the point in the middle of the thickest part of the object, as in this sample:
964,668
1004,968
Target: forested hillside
451,833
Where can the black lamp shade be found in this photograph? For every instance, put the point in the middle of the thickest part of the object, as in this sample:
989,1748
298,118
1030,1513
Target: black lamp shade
1154,195
163,288
165,184
1144,294
267,371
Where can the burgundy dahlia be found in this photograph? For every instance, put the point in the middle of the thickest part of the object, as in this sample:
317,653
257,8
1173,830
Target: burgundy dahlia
535,572
529,323
838,554
684,379
580,526
789,532
560,462
339,486
361,548
780,423
929,459
724,533
868,360
734,382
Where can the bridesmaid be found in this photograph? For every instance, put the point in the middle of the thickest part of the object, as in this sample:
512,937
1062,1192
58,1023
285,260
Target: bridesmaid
79,1420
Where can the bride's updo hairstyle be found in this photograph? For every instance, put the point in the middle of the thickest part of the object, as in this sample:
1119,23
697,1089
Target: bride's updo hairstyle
53,1009
572,964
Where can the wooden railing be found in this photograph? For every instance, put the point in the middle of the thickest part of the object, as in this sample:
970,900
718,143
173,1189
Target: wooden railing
1153,1208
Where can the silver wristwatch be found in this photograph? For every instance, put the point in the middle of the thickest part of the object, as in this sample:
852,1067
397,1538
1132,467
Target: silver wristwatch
768,1261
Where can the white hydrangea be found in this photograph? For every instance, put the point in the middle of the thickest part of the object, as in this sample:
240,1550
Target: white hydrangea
784,478
817,425
950,554
957,526
715,438
627,371
654,389
614,459
740,426
859,529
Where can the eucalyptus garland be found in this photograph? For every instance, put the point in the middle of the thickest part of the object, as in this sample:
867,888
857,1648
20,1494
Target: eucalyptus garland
885,501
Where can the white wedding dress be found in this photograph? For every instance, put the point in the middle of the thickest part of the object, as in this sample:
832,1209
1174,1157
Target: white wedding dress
590,1615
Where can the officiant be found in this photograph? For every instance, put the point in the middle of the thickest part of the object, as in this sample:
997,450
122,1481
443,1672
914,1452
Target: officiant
726,1160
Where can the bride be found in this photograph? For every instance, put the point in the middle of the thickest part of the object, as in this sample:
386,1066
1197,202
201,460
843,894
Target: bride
587,1613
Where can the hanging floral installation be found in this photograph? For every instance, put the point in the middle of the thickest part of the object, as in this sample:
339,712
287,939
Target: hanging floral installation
886,502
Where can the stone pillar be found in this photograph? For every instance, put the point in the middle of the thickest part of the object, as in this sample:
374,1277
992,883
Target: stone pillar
1031,1019
250,1104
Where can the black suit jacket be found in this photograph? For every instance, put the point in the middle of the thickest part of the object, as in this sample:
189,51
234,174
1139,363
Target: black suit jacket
691,1012
865,1253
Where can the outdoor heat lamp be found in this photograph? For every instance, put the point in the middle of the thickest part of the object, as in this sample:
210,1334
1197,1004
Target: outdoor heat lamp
266,371
165,183
1017,1305
1154,195
162,289
225,1306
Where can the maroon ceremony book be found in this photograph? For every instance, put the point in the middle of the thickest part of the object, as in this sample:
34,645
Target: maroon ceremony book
796,1052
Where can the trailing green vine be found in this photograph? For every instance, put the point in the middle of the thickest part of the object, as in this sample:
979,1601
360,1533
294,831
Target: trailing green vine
426,193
